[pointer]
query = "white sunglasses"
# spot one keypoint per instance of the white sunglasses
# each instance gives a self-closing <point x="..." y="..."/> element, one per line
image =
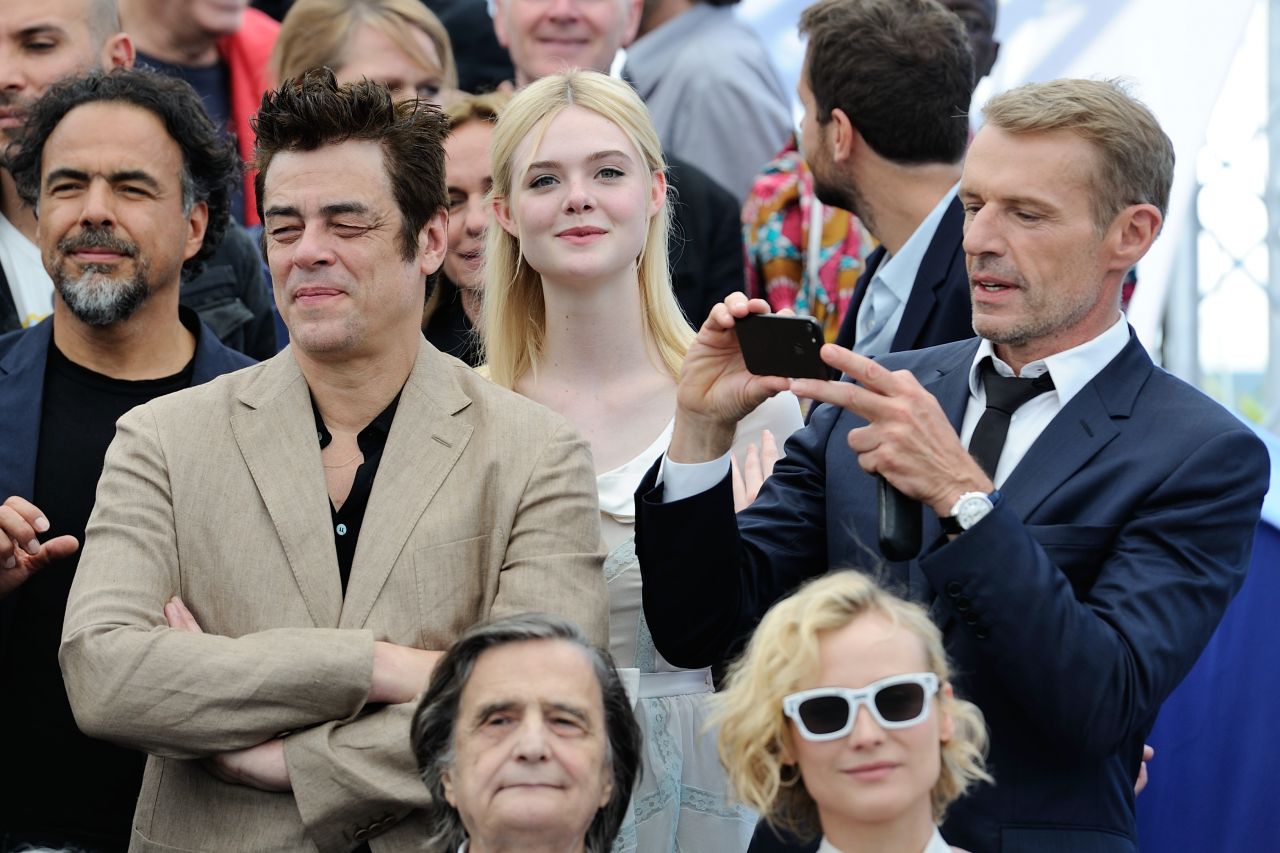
<point x="827" y="713"/>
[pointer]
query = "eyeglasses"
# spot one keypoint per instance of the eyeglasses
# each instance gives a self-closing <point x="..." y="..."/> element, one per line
<point x="827" y="713"/>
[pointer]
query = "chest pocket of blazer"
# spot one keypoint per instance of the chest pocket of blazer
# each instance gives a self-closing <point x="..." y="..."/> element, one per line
<point x="454" y="588"/>
<point x="1078" y="550"/>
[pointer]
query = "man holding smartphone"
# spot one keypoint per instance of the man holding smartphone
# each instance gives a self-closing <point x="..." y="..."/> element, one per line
<point x="1078" y="561"/>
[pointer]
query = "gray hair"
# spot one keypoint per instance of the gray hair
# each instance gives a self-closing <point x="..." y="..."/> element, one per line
<point x="433" y="723"/>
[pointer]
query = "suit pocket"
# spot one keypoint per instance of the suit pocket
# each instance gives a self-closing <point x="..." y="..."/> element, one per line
<point x="1077" y="550"/>
<point x="454" y="588"/>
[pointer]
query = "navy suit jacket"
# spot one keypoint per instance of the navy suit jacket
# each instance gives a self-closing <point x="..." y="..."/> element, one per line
<point x="23" y="356"/>
<point x="938" y="310"/>
<point x="1070" y="612"/>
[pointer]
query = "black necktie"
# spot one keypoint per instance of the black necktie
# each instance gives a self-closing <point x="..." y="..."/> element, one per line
<point x="1004" y="395"/>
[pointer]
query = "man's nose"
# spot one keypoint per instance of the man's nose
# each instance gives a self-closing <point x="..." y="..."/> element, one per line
<point x="531" y="739"/>
<point x="313" y="248"/>
<point x="563" y="9"/>
<point x="982" y="233"/>
<point x="12" y="78"/>
<point x="98" y="206"/>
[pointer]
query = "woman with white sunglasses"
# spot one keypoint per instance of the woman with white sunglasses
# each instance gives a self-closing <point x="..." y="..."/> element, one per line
<point x="840" y="720"/>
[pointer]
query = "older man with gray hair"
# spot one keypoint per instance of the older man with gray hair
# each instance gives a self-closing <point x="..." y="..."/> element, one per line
<point x="526" y="741"/>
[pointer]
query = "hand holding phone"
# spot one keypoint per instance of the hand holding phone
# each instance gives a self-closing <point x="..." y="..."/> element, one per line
<point x="779" y="345"/>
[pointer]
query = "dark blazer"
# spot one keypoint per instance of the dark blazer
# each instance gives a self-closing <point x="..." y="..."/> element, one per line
<point x="705" y="249"/>
<point x="1070" y="612"/>
<point x="23" y="356"/>
<point x="938" y="310"/>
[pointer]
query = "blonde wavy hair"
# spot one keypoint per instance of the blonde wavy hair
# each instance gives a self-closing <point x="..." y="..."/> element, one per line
<point x="514" y="312"/>
<point x="782" y="658"/>
<point x="315" y="33"/>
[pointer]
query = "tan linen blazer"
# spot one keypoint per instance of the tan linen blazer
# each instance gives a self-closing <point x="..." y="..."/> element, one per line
<point x="484" y="505"/>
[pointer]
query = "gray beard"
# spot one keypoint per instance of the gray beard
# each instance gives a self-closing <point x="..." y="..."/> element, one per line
<point x="97" y="300"/>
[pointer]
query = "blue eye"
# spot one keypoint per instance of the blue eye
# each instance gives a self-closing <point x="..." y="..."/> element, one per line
<point x="609" y="173"/>
<point x="541" y="182"/>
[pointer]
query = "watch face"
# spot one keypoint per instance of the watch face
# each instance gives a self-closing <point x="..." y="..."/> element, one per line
<point x="972" y="509"/>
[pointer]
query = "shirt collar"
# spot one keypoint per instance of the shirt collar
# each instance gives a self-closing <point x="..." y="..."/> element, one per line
<point x="1071" y="369"/>
<point x="381" y="425"/>
<point x="649" y="55"/>
<point x="898" y="271"/>
<point x="935" y="845"/>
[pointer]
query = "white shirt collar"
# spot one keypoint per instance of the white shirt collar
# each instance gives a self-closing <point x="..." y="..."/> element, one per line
<point x="1071" y="369"/>
<point x="899" y="270"/>
<point x="936" y="845"/>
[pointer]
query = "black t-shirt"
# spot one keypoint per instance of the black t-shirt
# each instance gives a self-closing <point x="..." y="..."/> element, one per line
<point x="63" y="788"/>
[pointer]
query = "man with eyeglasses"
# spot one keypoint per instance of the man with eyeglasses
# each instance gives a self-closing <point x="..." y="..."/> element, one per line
<point x="1078" y="561"/>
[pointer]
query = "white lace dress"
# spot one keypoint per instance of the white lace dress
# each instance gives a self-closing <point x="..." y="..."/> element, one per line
<point x="682" y="802"/>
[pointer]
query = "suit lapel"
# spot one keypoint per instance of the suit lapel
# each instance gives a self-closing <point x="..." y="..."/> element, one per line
<point x="277" y="439"/>
<point x="424" y="444"/>
<point x="935" y="269"/>
<point x="1078" y="432"/>
<point x="21" y="401"/>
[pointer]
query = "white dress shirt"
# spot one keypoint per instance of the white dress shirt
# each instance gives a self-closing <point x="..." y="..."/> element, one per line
<point x="1071" y="370"/>
<point x="29" y="284"/>
<point x="880" y="312"/>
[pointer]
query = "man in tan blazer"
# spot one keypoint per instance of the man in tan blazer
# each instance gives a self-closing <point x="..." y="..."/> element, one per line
<point x="253" y="608"/>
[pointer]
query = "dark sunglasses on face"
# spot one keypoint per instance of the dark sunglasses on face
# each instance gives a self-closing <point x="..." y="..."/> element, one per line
<point x="827" y="713"/>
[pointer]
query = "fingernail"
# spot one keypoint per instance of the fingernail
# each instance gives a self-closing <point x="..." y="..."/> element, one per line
<point x="33" y="546"/>
<point x="42" y="525"/>
<point x="10" y="562"/>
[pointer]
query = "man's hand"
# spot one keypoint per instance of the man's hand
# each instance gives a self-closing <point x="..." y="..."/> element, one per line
<point x="262" y="767"/>
<point x="1148" y="753"/>
<point x="400" y="673"/>
<point x="715" y="389"/>
<point x="755" y="469"/>
<point x="21" y="553"/>
<point x="908" y="439"/>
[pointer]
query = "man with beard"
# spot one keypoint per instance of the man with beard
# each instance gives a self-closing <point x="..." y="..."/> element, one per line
<point x="41" y="42"/>
<point x="885" y="89"/>
<point x="120" y="215"/>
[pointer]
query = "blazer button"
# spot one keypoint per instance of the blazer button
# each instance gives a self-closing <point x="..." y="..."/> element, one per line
<point x="981" y="632"/>
<point x="962" y="604"/>
<point x="971" y="618"/>
<point x="953" y="588"/>
<point x="361" y="834"/>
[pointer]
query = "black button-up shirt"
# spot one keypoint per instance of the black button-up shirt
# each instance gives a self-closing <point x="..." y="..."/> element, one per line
<point x="347" y="521"/>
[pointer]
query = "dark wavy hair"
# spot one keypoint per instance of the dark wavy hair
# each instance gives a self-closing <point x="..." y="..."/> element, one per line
<point x="901" y="70"/>
<point x="311" y="111"/>
<point x="210" y="165"/>
<point x="433" y="723"/>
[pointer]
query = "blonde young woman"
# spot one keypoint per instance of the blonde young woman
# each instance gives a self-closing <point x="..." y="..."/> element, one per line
<point x="840" y="720"/>
<point x="579" y="315"/>
<point x="398" y="43"/>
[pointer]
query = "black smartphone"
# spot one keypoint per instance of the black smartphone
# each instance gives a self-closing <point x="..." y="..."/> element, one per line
<point x="782" y="346"/>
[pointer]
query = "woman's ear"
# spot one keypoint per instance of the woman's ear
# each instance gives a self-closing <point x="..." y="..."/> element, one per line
<point x="946" y="724"/>
<point x="502" y="212"/>
<point x="657" y="192"/>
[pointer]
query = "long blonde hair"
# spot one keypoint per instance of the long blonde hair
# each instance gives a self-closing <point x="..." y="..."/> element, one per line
<point x="783" y="656"/>
<point x="514" y="324"/>
<point x="314" y="34"/>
